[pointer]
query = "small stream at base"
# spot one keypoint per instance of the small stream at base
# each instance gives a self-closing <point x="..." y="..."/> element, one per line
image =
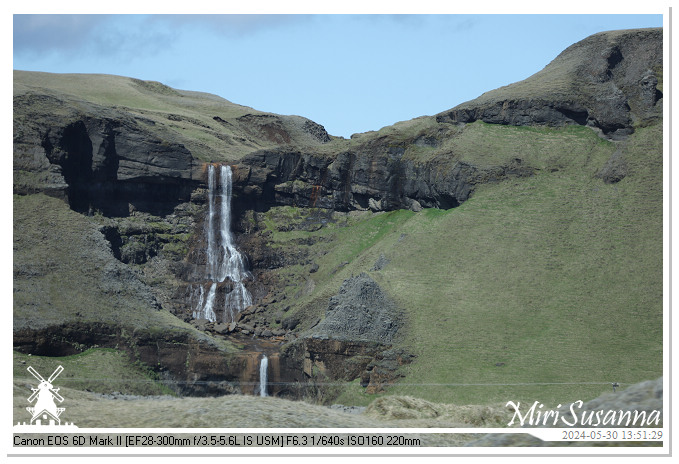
<point x="261" y="372"/>
<point x="263" y="377"/>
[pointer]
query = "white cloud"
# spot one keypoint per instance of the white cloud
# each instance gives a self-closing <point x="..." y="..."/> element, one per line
<point x="45" y="33"/>
<point x="114" y="36"/>
<point x="233" y="25"/>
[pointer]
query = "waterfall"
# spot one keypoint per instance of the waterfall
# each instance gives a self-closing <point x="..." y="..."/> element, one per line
<point x="224" y="261"/>
<point x="208" y="309"/>
<point x="263" y="366"/>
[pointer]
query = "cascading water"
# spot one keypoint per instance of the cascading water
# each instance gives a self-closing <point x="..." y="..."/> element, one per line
<point x="224" y="261"/>
<point x="263" y="367"/>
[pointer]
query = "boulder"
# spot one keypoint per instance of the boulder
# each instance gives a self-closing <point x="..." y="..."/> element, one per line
<point x="221" y="328"/>
<point x="290" y="322"/>
<point x="374" y="205"/>
<point x="380" y="264"/>
<point x="415" y="206"/>
<point x="614" y="170"/>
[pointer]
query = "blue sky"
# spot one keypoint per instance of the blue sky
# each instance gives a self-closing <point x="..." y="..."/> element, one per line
<point x="350" y="73"/>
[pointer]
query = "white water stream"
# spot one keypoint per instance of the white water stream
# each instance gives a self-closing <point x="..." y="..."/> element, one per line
<point x="224" y="261"/>
<point x="263" y="366"/>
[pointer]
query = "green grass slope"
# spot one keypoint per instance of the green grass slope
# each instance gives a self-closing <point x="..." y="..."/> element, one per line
<point x="542" y="288"/>
<point x="65" y="274"/>
<point x="98" y="370"/>
<point x="556" y="278"/>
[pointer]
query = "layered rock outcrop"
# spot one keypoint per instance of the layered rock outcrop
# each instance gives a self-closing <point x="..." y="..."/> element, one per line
<point x="131" y="162"/>
<point x="363" y="181"/>
<point x="608" y="81"/>
<point x="99" y="158"/>
<point x="113" y="158"/>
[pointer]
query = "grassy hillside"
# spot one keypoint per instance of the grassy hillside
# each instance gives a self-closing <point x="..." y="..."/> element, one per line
<point x="552" y="279"/>
<point x="546" y="287"/>
<point x="66" y="274"/>
<point x="206" y="124"/>
<point x="98" y="370"/>
<point x="557" y="277"/>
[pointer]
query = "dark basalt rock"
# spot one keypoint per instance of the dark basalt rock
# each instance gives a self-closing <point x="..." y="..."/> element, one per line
<point x="382" y="371"/>
<point x="353" y="341"/>
<point x="608" y="81"/>
<point x="353" y="181"/>
<point x="614" y="170"/>
<point x="188" y="365"/>
<point x="100" y="158"/>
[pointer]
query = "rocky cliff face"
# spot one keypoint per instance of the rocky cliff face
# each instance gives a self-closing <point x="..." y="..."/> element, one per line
<point x="133" y="167"/>
<point x="373" y="180"/>
<point x="608" y="81"/>
<point x="117" y="159"/>
<point x="98" y="158"/>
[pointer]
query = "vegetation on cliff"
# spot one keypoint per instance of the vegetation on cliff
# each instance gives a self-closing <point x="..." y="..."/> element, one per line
<point x="547" y="280"/>
<point x="523" y="256"/>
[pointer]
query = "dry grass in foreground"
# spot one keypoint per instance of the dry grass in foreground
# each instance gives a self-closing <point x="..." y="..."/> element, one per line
<point x="91" y="410"/>
<point x="87" y="409"/>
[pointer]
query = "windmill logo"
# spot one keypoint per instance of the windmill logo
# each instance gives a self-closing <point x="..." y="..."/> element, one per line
<point x="45" y="412"/>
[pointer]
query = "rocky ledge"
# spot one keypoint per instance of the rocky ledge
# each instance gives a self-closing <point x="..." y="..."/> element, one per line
<point x="608" y="81"/>
<point x="362" y="180"/>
